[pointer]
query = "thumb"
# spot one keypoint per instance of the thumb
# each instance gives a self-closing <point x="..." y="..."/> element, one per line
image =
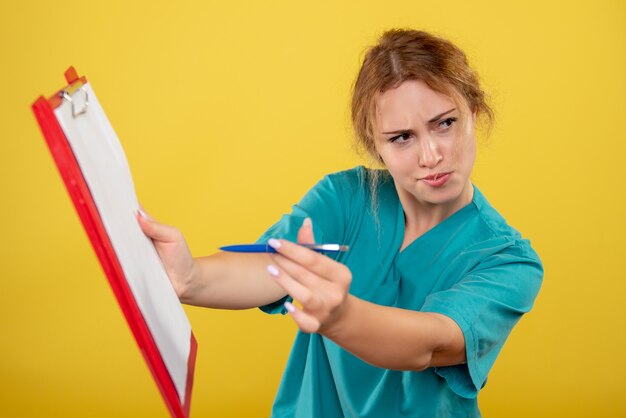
<point x="143" y="213"/>
<point x="305" y="234"/>
<point x="155" y="230"/>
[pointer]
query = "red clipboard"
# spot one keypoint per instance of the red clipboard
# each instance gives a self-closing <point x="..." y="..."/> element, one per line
<point x="85" y="205"/>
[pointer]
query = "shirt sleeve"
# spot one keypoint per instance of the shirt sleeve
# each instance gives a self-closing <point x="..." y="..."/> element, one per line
<point x="486" y="304"/>
<point x="325" y="205"/>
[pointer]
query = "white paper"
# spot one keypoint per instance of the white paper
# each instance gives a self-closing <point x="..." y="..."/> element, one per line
<point x="105" y="168"/>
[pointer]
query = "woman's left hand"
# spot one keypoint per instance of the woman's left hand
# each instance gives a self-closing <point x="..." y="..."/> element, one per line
<point x="319" y="283"/>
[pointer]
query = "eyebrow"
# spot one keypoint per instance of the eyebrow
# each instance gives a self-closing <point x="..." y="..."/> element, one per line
<point x="435" y="119"/>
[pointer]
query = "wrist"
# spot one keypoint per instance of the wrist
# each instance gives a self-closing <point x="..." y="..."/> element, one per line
<point x="185" y="287"/>
<point x="339" y="324"/>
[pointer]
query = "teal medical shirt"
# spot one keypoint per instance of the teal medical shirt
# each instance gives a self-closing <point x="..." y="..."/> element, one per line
<point x="472" y="267"/>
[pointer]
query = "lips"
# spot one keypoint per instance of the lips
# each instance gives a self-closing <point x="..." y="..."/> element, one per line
<point x="437" y="179"/>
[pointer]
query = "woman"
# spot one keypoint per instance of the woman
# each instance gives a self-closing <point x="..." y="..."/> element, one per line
<point x="410" y="320"/>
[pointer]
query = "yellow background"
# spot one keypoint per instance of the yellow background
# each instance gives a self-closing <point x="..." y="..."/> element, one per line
<point x="229" y="112"/>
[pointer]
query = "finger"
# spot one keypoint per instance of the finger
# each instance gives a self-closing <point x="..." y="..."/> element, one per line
<point x="306" y="322"/>
<point x="143" y="213"/>
<point x="156" y="230"/>
<point x="291" y="286"/>
<point x="317" y="263"/>
<point x="297" y="272"/>
<point x="305" y="233"/>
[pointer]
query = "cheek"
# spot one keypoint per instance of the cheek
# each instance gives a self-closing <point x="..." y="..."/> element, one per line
<point x="469" y="150"/>
<point x="462" y="151"/>
<point x="398" y="162"/>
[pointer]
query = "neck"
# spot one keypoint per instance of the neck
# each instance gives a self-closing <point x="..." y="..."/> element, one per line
<point x="420" y="216"/>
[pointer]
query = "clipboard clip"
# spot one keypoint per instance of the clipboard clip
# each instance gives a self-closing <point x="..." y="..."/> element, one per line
<point x="72" y="90"/>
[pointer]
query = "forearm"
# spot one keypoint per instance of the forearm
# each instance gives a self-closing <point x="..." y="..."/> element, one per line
<point x="396" y="338"/>
<point x="231" y="281"/>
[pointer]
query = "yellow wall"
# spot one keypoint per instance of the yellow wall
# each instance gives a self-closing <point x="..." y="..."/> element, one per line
<point x="229" y="112"/>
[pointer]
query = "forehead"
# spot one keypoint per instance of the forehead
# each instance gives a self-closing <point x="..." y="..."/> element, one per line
<point x="410" y="102"/>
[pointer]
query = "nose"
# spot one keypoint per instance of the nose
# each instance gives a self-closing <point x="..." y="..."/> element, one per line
<point x="429" y="154"/>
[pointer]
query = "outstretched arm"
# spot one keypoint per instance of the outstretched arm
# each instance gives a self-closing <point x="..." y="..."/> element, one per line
<point x="222" y="280"/>
<point x="386" y="337"/>
<point x="398" y="339"/>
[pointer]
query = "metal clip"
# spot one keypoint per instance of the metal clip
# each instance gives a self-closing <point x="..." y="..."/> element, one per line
<point x="67" y="96"/>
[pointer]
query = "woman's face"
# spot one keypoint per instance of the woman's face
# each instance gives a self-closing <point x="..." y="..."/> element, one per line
<point x="421" y="141"/>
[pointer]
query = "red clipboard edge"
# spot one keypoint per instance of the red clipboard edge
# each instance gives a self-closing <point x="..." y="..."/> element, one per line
<point x="83" y="202"/>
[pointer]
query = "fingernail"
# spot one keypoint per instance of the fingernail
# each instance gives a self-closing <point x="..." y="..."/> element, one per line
<point x="142" y="213"/>
<point x="307" y="222"/>
<point x="289" y="306"/>
<point x="273" y="270"/>
<point x="274" y="243"/>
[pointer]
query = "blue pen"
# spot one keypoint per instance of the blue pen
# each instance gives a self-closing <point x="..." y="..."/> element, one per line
<point x="265" y="248"/>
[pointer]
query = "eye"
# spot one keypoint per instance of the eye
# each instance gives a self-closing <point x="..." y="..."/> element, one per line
<point x="446" y="124"/>
<point x="400" y="139"/>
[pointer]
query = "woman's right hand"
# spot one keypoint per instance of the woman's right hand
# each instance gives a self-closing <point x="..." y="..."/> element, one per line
<point x="173" y="251"/>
